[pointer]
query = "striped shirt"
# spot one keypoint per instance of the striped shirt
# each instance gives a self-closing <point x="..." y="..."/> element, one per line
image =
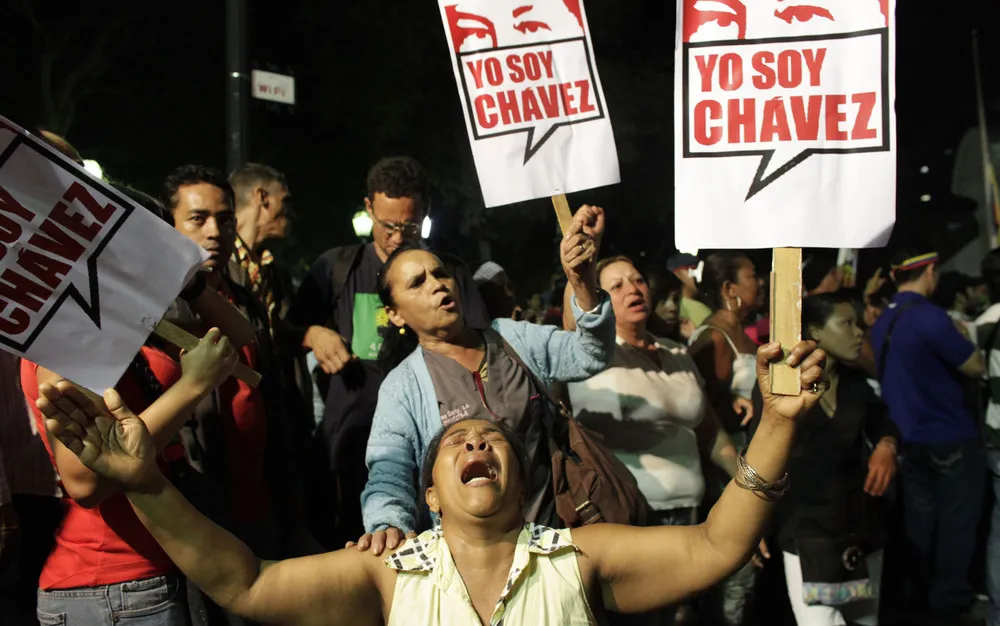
<point x="24" y="463"/>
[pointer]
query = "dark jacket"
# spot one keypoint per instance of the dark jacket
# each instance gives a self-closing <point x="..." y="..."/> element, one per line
<point x="828" y="468"/>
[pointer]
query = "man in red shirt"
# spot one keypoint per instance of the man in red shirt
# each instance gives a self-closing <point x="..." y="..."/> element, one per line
<point x="201" y="203"/>
<point x="238" y="437"/>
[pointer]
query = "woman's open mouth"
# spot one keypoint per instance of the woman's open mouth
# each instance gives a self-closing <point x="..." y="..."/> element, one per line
<point x="478" y="472"/>
<point x="637" y="305"/>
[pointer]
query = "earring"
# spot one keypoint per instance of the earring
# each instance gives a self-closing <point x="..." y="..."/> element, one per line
<point x="402" y="330"/>
<point x="729" y="305"/>
<point x="739" y="302"/>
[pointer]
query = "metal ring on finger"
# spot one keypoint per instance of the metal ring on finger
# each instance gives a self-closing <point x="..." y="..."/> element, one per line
<point x="818" y="387"/>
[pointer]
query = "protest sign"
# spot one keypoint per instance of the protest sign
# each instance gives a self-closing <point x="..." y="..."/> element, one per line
<point x="534" y="107"/>
<point x="784" y="124"/>
<point x="85" y="274"/>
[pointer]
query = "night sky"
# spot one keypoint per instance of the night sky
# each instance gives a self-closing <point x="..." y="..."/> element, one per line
<point x="373" y="79"/>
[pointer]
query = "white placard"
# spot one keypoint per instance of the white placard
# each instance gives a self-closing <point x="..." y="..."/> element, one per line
<point x="532" y="97"/>
<point x="85" y="273"/>
<point x="272" y="87"/>
<point x="784" y="125"/>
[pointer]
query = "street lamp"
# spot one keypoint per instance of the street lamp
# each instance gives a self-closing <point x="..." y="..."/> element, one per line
<point x="362" y="223"/>
<point x="94" y="168"/>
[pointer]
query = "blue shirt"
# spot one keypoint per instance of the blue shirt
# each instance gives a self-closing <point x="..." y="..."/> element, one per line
<point x="921" y="383"/>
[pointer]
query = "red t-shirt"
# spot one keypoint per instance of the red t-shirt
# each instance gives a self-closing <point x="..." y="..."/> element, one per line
<point x="244" y="423"/>
<point x="106" y="544"/>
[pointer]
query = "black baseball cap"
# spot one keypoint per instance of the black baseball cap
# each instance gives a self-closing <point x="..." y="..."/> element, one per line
<point x="682" y="261"/>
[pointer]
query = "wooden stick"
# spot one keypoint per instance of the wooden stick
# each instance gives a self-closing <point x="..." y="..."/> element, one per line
<point x="168" y="331"/>
<point x="786" y="316"/>
<point x="563" y="213"/>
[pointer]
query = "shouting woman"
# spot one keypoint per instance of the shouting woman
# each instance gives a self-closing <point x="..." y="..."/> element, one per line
<point x="650" y="406"/>
<point x="443" y="371"/>
<point x="483" y="564"/>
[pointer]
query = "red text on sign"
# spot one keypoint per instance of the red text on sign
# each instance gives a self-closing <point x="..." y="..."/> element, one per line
<point x="833" y="117"/>
<point x="787" y="69"/>
<point x="46" y="259"/>
<point x="10" y="229"/>
<point x="534" y="104"/>
<point x="532" y="66"/>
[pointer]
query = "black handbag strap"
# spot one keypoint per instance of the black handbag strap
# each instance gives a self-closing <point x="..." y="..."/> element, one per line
<point x="888" y="336"/>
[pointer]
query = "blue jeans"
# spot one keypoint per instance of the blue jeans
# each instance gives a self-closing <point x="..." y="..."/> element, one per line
<point x="158" y="601"/>
<point x="942" y="489"/>
<point x="993" y="545"/>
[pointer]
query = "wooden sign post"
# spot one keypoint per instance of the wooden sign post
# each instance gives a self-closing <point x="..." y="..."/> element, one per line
<point x="786" y="316"/>
<point x="175" y="335"/>
<point x="563" y="212"/>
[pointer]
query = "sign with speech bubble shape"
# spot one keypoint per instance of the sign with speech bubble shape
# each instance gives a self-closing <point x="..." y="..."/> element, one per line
<point x="784" y="124"/>
<point x="85" y="273"/>
<point x="532" y="97"/>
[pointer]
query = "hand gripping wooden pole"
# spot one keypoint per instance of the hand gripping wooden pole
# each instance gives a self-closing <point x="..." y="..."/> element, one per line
<point x="174" y="334"/>
<point x="786" y="316"/>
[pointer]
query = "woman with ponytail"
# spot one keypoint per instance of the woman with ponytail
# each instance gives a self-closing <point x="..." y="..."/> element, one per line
<point x="725" y="358"/>
<point x="440" y="371"/>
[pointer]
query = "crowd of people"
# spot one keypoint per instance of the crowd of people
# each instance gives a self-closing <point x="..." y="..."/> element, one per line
<point x="427" y="448"/>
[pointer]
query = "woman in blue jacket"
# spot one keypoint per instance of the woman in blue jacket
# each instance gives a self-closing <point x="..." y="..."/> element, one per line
<point x="443" y="371"/>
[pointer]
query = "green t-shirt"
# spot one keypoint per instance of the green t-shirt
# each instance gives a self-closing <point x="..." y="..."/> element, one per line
<point x="369" y="317"/>
<point x="694" y="311"/>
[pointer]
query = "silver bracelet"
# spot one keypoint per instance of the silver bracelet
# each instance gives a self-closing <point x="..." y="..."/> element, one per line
<point x="747" y="478"/>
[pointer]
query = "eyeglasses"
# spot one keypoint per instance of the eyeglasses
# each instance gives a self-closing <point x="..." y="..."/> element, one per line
<point x="406" y="229"/>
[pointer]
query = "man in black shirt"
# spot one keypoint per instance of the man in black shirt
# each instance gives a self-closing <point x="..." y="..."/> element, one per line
<point x="341" y="310"/>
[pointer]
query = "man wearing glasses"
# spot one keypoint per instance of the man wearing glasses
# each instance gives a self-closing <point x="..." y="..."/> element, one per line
<point x="339" y="304"/>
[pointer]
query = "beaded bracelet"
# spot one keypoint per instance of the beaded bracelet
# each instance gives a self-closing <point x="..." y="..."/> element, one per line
<point x="747" y="478"/>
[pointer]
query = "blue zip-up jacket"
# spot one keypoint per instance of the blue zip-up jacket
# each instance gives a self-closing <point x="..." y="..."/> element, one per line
<point x="407" y="415"/>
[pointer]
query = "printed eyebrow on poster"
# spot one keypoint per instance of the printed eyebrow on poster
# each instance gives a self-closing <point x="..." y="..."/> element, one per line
<point x="524" y="71"/>
<point x="781" y="96"/>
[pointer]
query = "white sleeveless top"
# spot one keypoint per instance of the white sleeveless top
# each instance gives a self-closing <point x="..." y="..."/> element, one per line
<point x="744" y="365"/>
<point x="543" y="588"/>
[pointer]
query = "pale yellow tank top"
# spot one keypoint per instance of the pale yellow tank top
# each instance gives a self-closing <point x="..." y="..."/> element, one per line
<point x="544" y="587"/>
